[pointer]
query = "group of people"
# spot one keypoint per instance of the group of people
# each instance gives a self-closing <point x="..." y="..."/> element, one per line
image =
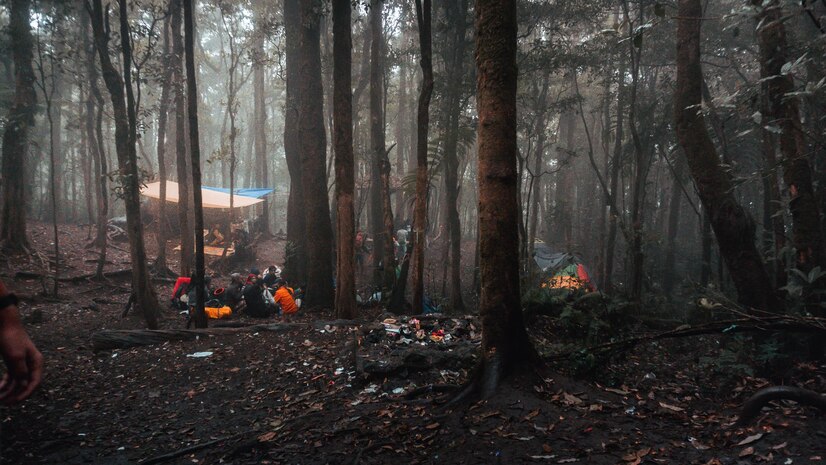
<point x="258" y="295"/>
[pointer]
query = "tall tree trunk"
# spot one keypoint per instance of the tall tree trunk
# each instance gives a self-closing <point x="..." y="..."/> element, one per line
<point x="295" y="255"/>
<point x="417" y="239"/>
<point x="673" y="227"/>
<point x="345" y="176"/>
<point x="773" y="223"/>
<point x="199" y="316"/>
<point x="456" y="12"/>
<point x="262" y="175"/>
<point x="182" y="163"/>
<point x="616" y="165"/>
<point x="783" y="110"/>
<point x="731" y="223"/>
<point x="94" y="130"/>
<point x="313" y="148"/>
<point x="163" y="111"/>
<point x="124" y="110"/>
<point x="16" y="134"/>
<point x="505" y="342"/>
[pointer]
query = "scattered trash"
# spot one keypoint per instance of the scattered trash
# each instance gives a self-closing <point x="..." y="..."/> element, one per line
<point x="371" y="389"/>
<point x="200" y="354"/>
<point x="339" y="371"/>
<point x="398" y="390"/>
<point x="630" y="410"/>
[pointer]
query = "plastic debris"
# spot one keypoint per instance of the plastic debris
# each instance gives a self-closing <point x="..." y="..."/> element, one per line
<point x="200" y="354"/>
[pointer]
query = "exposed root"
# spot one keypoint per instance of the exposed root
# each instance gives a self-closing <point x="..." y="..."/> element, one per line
<point x="751" y="408"/>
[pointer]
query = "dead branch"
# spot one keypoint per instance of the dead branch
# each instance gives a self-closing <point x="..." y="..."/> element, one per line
<point x="752" y="407"/>
<point x="122" y="339"/>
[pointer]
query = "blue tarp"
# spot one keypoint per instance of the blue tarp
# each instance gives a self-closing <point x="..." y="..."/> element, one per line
<point x="254" y="192"/>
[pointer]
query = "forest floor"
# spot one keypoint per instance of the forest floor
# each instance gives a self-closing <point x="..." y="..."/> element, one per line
<point x="309" y="395"/>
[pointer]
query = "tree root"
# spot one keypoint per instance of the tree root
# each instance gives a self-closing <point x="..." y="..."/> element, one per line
<point x="751" y="408"/>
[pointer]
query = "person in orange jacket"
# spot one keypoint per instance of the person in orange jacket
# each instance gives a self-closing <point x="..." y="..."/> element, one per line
<point x="284" y="297"/>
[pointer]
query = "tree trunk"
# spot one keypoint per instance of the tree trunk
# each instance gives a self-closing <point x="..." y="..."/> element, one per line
<point x="124" y="110"/>
<point x="181" y="159"/>
<point x="731" y="223"/>
<point x="782" y="108"/>
<point x="456" y="12"/>
<point x="313" y="148"/>
<point x="94" y="130"/>
<point x="417" y="239"/>
<point x="673" y="227"/>
<point x="616" y="165"/>
<point x="505" y="342"/>
<point x="163" y="111"/>
<point x="262" y="175"/>
<point x="16" y="134"/>
<point x="295" y="255"/>
<point x="344" y="167"/>
<point x="199" y="317"/>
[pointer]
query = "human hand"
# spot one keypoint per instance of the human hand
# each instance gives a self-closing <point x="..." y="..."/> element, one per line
<point x="23" y="361"/>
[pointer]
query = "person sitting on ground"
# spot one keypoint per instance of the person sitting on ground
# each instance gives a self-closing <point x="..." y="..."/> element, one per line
<point x="257" y="307"/>
<point x="215" y="237"/>
<point x="284" y="298"/>
<point x="24" y="363"/>
<point x="233" y="295"/>
<point x="271" y="274"/>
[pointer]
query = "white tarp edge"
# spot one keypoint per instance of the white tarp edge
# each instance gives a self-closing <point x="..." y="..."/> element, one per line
<point x="211" y="199"/>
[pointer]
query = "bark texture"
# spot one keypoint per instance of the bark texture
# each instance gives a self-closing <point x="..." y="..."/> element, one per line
<point x="181" y="158"/>
<point x="16" y="134"/>
<point x="344" y="163"/>
<point x="123" y="107"/>
<point x="417" y="242"/>
<point x="313" y="150"/>
<point x="505" y="342"/>
<point x="732" y="225"/>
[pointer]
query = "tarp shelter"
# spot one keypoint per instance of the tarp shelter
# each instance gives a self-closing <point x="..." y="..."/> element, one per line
<point x="254" y="192"/>
<point x="212" y="196"/>
<point x="561" y="270"/>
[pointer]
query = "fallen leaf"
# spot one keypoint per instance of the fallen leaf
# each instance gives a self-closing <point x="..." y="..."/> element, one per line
<point x="750" y="439"/>
<point x="746" y="452"/>
<point x="673" y="408"/>
<point x="432" y="426"/>
<point x="571" y="399"/>
<point x="267" y="436"/>
<point x="532" y="414"/>
<point x="547" y="448"/>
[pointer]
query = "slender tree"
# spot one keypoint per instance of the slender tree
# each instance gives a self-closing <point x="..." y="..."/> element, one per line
<point x="16" y="134"/>
<point x="417" y="241"/>
<point x="782" y="108"/>
<point x="345" y="176"/>
<point x="163" y="113"/>
<point x="143" y="294"/>
<point x="194" y="142"/>
<point x="732" y="225"/>
<point x="181" y="159"/>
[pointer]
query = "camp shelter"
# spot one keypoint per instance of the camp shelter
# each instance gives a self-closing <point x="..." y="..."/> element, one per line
<point x="212" y="197"/>
<point x="561" y="270"/>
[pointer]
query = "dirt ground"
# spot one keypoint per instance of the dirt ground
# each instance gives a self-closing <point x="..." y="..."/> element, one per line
<point x="317" y="393"/>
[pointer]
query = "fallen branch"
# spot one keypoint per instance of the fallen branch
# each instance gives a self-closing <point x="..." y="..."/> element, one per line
<point x="748" y="324"/>
<point x="751" y="408"/>
<point x="71" y="279"/>
<point x="188" y="450"/>
<point x="122" y="339"/>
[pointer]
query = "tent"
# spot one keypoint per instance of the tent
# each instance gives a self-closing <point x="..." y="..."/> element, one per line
<point x="213" y="197"/>
<point x="561" y="270"/>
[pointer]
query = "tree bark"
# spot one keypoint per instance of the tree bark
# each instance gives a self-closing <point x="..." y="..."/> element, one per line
<point x="313" y="148"/>
<point x="16" y="134"/>
<point x="123" y="107"/>
<point x="456" y="12"/>
<point x="181" y="159"/>
<point x="505" y="342"/>
<point x="417" y="239"/>
<point x="616" y="164"/>
<point x="199" y="316"/>
<point x="295" y="255"/>
<point x="262" y="175"/>
<point x="345" y="177"/>
<point x="163" y="111"/>
<point x="731" y="223"/>
<point x="783" y="110"/>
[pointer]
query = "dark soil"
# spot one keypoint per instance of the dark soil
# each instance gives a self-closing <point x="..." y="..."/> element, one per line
<point x="322" y="394"/>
